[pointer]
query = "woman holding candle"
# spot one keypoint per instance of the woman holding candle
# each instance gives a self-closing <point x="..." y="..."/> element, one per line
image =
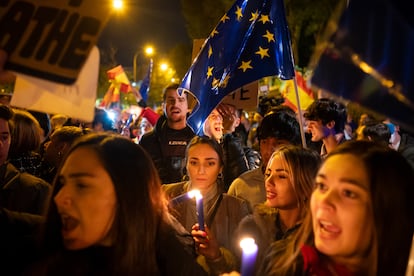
<point x="289" y="181"/>
<point x="108" y="215"/>
<point x="361" y="220"/>
<point x="222" y="213"/>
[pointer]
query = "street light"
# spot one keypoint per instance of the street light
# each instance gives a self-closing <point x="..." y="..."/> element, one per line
<point x="117" y="4"/>
<point x="164" y="66"/>
<point x="149" y="52"/>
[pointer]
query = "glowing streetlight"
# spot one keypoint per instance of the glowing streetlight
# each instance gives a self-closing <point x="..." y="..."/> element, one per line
<point x="149" y="52"/>
<point x="163" y="66"/>
<point x="118" y="4"/>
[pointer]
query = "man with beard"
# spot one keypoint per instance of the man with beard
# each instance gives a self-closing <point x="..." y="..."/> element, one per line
<point x="167" y="142"/>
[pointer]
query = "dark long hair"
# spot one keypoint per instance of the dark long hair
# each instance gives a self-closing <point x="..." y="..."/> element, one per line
<point x="140" y="203"/>
<point x="392" y="191"/>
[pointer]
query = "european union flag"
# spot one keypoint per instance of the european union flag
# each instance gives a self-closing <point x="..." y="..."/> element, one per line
<point x="370" y="59"/>
<point x="250" y="42"/>
<point x="145" y="85"/>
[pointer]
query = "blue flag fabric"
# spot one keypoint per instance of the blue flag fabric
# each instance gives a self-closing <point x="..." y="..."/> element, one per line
<point x="145" y="85"/>
<point x="250" y="42"/>
<point x="370" y="59"/>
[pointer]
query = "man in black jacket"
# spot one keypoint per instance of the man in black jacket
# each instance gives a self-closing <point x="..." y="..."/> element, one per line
<point x="167" y="142"/>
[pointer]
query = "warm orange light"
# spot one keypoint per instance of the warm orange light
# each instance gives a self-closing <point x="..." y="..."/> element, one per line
<point x="164" y="66"/>
<point x="118" y="4"/>
<point x="149" y="50"/>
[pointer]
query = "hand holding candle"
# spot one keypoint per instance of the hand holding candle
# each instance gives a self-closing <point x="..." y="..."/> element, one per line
<point x="199" y="205"/>
<point x="249" y="248"/>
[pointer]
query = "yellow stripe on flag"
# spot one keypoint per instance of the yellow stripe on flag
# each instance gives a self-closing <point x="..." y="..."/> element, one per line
<point x="305" y="93"/>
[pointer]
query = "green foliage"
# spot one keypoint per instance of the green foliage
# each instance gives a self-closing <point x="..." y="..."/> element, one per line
<point x="306" y="19"/>
<point x="180" y="57"/>
<point x="203" y="15"/>
<point x="103" y="82"/>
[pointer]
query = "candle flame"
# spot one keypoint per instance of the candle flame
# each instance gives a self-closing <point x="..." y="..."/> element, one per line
<point x="248" y="244"/>
<point x="195" y="193"/>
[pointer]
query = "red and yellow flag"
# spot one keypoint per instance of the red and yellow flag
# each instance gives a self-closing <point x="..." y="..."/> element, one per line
<point x="305" y="93"/>
<point x="119" y="83"/>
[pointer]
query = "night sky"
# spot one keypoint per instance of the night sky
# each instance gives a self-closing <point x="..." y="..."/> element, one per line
<point x="156" y="22"/>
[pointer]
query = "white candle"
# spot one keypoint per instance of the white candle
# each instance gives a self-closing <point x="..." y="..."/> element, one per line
<point x="249" y="248"/>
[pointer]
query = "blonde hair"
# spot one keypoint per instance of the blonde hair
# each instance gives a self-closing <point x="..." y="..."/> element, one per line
<point x="303" y="164"/>
<point x="391" y="192"/>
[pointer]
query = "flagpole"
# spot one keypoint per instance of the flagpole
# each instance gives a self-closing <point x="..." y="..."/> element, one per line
<point x="300" y="116"/>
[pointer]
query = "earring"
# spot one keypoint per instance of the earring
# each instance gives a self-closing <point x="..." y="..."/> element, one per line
<point x="59" y="154"/>
<point x="220" y="175"/>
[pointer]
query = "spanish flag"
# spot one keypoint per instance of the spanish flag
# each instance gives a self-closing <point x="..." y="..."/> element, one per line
<point x="119" y="82"/>
<point x="305" y="93"/>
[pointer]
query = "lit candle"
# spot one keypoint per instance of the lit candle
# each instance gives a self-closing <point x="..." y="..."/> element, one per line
<point x="200" y="210"/>
<point x="249" y="248"/>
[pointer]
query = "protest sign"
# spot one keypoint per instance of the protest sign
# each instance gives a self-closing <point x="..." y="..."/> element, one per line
<point x="50" y="39"/>
<point x="76" y="100"/>
<point x="246" y="97"/>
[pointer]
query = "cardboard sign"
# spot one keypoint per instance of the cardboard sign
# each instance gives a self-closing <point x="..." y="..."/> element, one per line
<point x="50" y="39"/>
<point x="245" y="98"/>
<point x="76" y="101"/>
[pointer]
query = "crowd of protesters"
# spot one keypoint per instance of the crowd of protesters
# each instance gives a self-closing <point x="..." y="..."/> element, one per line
<point x="100" y="198"/>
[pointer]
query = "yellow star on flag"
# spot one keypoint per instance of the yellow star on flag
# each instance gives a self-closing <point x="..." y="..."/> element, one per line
<point x="245" y="65"/>
<point x="263" y="52"/>
<point x="213" y="33"/>
<point x="270" y="37"/>
<point x="210" y="71"/>
<point x="264" y="18"/>
<point x="239" y="13"/>
<point x="210" y="51"/>
<point x="224" y="18"/>
<point x="255" y="15"/>
<point x="225" y="81"/>
<point x="215" y="82"/>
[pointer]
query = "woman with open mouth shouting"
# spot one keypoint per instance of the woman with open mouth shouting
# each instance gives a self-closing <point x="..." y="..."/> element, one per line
<point x="108" y="215"/>
<point x="361" y="220"/>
